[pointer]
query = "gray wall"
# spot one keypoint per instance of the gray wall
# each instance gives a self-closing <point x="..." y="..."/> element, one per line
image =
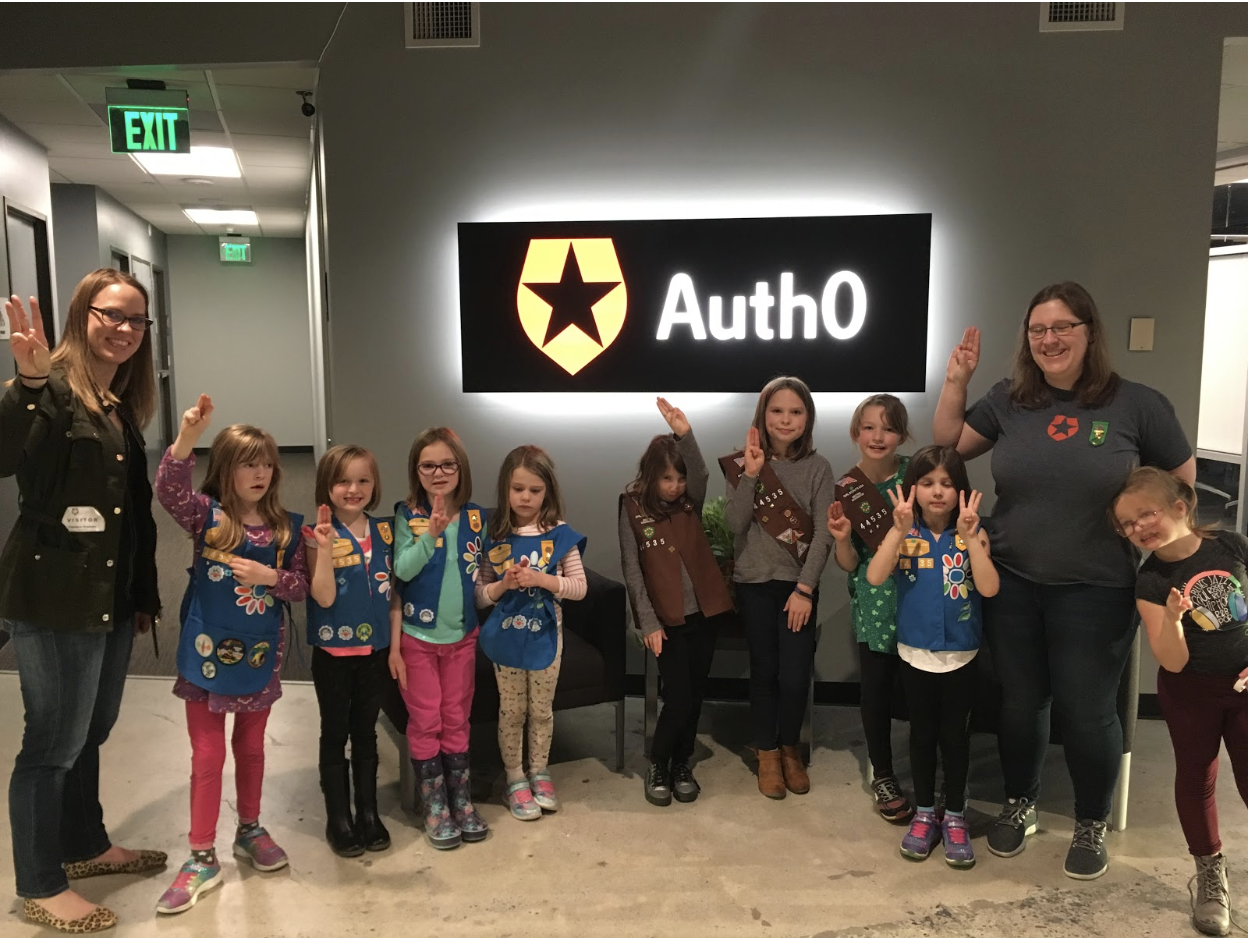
<point x="1041" y="157"/>
<point x="240" y="335"/>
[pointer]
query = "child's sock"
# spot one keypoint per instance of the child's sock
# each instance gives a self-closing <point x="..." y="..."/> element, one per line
<point x="206" y="857"/>
<point x="949" y="813"/>
<point x="930" y="810"/>
<point x="515" y="775"/>
<point x="245" y="826"/>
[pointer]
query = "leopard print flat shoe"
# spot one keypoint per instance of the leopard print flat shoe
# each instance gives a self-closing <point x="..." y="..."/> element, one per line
<point x="101" y="919"/>
<point x="145" y="862"/>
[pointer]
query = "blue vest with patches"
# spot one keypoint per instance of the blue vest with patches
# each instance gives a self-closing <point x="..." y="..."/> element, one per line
<point x="420" y="596"/>
<point x="938" y="607"/>
<point x="360" y="615"/>
<point x="522" y="630"/>
<point x="228" y="643"/>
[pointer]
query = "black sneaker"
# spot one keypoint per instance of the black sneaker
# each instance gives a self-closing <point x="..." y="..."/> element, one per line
<point x="1008" y="835"/>
<point x="1087" y="857"/>
<point x="684" y="786"/>
<point x="658" y="785"/>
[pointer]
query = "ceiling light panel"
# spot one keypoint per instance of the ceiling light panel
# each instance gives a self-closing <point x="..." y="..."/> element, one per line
<point x="217" y="216"/>
<point x="201" y="161"/>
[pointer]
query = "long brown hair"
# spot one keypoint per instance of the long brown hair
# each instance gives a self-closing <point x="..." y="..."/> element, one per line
<point x="1098" y="381"/>
<point x="537" y="461"/>
<point x="233" y="446"/>
<point x="416" y="495"/>
<point x="333" y="466"/>
<point x="1167" y="489"/>
<point x="934" y="457"/>
<point x="134" y="385"/>
<point x="659" y="455"/>
<point x="805" y="444"/>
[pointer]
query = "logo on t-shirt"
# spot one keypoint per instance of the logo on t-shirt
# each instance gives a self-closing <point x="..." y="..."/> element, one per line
<point x="1063" y="427"/>
<point x="1217" y="600"/>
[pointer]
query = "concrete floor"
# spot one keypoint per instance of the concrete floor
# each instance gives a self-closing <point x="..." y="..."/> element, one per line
<point x="609" y="864"/>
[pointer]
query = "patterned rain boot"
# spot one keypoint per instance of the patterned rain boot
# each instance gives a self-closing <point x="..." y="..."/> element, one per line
<point x="440" y="829"/>
<point x="459" y="780"/>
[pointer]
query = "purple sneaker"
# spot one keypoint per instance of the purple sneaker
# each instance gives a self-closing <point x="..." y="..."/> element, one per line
<point x="255" y="845"/>
<point x="194" y="879"/>
<point x="957" y="837"/>
<point x="923" y="835"/>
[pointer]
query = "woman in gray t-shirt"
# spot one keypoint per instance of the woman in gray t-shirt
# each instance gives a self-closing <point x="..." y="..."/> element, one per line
<point x="1064" y="431"/>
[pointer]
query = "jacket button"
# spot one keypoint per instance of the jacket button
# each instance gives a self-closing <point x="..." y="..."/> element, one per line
<point x="116" y="511"/>
<point x="104" y="617"/>
<point x="30" y="406"/>
<point x="108" y="564"/>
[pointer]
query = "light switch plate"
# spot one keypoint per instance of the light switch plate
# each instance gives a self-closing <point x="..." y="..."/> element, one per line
<point x="1141" y="339"/>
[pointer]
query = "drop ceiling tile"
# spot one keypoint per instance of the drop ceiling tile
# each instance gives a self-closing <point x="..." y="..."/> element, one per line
<point x="111" y="169"/>
<point x="251" y="110"/>
<point x="51" y="134"/>
<point x="65" y="111"/>
<point x="20" y="86"/>
<point x="292" y="78"/>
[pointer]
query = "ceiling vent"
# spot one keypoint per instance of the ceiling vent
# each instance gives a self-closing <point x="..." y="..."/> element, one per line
<point x="1078" y="17"/>
<point x="442" y="25"/>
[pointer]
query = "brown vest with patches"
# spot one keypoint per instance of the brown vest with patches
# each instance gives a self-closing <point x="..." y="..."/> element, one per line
<point x="663" y="545"/>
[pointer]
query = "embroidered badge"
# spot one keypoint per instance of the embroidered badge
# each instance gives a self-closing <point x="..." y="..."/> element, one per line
<point x="958" y="542"/>
<point x="474" y="520"/>
<point x="548" y="551"/>
<point x="409" y="610"/>
<point x="418" y="525"/>
<point x="426" y="616"/>
<point x="363" y="631"/>
<point x="1063" y="427"/>
<point x="345" y="632"/>
<point x="1099" y="429"/>
<point x="519" y="622"/>
<point x="208" y="670"/>
<point x="647" y="531"/>
<point x="325" y="633"/>
<point x="203" y="645"/>
<point x="259" y="651"/>
<point x="230" y="651"/>
<point x="383" y="528"/>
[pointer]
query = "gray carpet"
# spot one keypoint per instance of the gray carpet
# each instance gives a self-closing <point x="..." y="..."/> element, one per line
<point x="173" y="556"/>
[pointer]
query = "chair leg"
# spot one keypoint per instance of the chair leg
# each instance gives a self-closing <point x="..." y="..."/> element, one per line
<point x="1118" y="812"/>
<point x="651" y="717"/>
<point x="619" y="736"/>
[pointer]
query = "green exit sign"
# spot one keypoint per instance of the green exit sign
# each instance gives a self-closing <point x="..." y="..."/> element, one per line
<point x="137" y="129"/>
<point x="235" y="252"/>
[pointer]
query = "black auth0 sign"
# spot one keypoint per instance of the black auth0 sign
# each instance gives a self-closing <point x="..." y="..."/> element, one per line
<point x="695" y="305"/>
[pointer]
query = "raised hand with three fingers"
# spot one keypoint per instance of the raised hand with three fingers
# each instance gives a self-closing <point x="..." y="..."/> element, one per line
<point x="323" y="534"/>
<point x="438" y="518"/>
<point x="27" y="341"/>
<point x="839" y="525"/>
<point x="968" y="514"/>
<point x="903" y="508"/>
<point x="674" y="416"/>
<point x="1177" y="603"/>
<point x="754" y="456"/>
<point x="964" y="360"/>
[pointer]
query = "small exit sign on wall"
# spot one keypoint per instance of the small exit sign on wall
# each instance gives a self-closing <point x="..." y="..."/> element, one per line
<point x="234" y="249"/>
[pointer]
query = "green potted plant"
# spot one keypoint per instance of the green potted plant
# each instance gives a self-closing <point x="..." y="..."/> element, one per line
<point x="716" y="527"/>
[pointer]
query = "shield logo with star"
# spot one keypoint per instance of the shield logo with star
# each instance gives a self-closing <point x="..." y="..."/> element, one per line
<point x="571" y="298"/>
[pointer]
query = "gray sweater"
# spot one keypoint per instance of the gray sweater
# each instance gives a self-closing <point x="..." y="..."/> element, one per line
<point x="695" y="487"/>
<point x="759" y="556"/>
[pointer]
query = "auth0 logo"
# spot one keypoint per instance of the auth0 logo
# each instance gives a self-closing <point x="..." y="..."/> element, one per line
<point x="571" y="298"/>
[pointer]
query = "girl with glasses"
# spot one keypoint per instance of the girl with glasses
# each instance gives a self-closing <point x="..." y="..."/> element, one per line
<point x="433" y="643"/>
<point x="1190" y="596"/>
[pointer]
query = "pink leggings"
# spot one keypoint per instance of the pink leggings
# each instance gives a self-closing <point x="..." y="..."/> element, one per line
<point x="207" y="731"/>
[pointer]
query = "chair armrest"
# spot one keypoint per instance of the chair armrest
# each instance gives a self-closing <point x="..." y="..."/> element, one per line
<point x="601" y="620"/>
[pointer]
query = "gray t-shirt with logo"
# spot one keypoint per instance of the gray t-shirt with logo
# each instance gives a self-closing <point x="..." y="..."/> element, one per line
<point x="1057" y="468"/>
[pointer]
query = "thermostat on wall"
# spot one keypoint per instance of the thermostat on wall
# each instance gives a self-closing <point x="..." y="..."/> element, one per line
<point x="235" y="249"/>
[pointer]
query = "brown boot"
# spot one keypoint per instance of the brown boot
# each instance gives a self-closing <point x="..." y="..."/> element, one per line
<point x="795" y="776"/>
<point x="770" y="777"/>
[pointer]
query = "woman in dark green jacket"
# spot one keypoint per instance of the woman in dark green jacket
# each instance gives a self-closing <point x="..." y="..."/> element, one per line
<point x="77" y="579"/>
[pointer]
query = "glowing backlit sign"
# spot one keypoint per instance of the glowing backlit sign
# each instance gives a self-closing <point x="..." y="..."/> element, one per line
<point x="695" y="304"/>
<point x="135" y="129"/>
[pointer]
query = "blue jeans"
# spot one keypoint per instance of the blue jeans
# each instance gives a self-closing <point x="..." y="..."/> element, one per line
<point x="71" y="688"/>
<point x="1060" y="649"/>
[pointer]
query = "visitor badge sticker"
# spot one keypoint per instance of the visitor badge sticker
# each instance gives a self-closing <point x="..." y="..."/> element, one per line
<point x="203" y="645"/>
<point x="82" y="519"/>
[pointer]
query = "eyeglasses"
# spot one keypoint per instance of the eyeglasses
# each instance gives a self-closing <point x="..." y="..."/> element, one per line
<point x="114" y="317"/>
<point x="1058" y="329"/>
<point x="428" y="469"/>
<point x="1127" y="528"/>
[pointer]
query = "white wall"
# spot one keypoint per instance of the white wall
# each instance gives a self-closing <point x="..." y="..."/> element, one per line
<point x="240" y="334"/>
<point x="1224" y="370"/>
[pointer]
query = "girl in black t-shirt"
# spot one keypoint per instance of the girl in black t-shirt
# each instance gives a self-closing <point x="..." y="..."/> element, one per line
<point x="1190" y="595"/>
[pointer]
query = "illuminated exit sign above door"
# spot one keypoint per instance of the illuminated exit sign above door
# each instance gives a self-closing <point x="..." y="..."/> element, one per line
<point x="149" y="129"/>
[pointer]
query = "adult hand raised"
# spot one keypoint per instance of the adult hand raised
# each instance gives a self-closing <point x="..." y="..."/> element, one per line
<point x="27" y="341"/>
<point x="754" y="456"/>
<point x="674" y="416"/>
<point x="964" y="360"/>
<point x="903" y="509"/>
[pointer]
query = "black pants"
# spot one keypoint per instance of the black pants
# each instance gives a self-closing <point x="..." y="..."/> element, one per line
<point x="940" y="713"/>
<point x="878" y="674"/>
<point x="780" y="662"/>
<point x="348" y="691"/>
<point x="683" y="666"/>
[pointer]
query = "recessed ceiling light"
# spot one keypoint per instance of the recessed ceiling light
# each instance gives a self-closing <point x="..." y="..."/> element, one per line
<point x="198" y="181"/>
<point x="201" y="161"/>
<point x="221" y="216"/>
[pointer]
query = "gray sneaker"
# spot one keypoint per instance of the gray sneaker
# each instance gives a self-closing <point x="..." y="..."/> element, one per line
<point x="684" y="786"/>
<point x="658" y="785"/>
<point x="1008" y="835"/>
<point x="1211" y="902"/>
<point x="1087" y="857"/>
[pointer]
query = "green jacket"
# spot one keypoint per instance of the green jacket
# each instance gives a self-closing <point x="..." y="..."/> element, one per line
<point x="66" y="457"/>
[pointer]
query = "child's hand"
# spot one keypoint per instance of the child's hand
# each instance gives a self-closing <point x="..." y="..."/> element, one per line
<point x="903" y="509"/>
<point x="754" y="457"/>
<point x="968" y="514"/>
<point x="398" y="670"/>
<point x="509" y="581"/>
<point x="438" y="518"/>
<point x="323" y="534"/>
<point x="964" y="359"/>
<point x="195" y="421"/>
<point x="675" y="417"/>
<point x="798" y="607"/>
<point x="527" y="577"/>
<point x="253" y="573"/>
<point x="27" y="341"/>
<point x="1177" y="604"/>
<point x="654" y="641"/>
<point x="838" y="525"/>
